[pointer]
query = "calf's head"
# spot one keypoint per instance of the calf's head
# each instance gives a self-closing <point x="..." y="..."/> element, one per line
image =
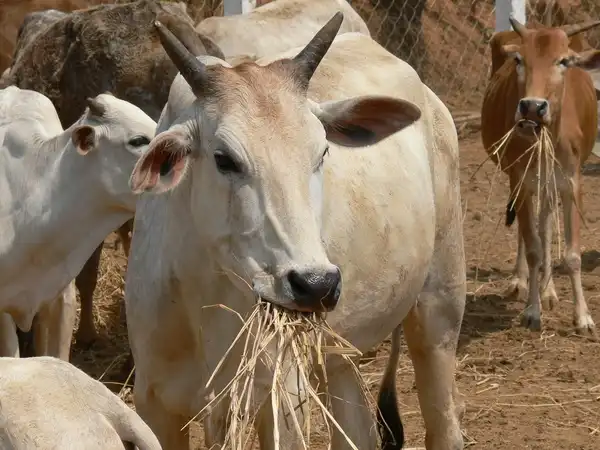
<point x="252" y="158"/>
<point x="541" y="61"/>
<point x="112" y="134"/>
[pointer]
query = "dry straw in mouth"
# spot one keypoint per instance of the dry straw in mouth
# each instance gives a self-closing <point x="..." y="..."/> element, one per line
<point x="301" y="343"/>
<point x="540" y="153"/>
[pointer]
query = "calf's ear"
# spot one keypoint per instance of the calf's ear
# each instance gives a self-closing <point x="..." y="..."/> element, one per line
<point x="163" y="166"/>
<point x="362" y="121"/>
<point x="84" y="139"/>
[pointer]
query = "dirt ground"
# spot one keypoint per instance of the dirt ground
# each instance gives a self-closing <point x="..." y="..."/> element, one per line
<point x="525" y="390"/>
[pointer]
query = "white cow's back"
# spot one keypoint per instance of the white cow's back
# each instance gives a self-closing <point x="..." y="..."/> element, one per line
<point x="277" y="26"/>
<point x="29" y="107"/>
<point x="47" y="403"/>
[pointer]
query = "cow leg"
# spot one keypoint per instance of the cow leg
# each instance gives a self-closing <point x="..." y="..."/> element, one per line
<point x="533" y="246"/>
<point x="123" y="233"/>
<point x="431" y="329"/>
<point x="349" y="409"/>
<point x="9" y="344"/>
<point x="59" y="317"/>
<point x="40" y="331"/>
<point x="582" y="318"/>
<point x="215" y="425"/>
<point x="548" y="293"/>
<point x="166" y="426"/>
<point x="288" y="436"/>
<point x="518" y="282"/>
<point x="86" y="285"/>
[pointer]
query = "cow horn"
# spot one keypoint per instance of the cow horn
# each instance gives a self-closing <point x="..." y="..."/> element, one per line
<point x="96" y="108"/>
<point x="571" y="30"/>
<point x="519" y="28"/>
<point x="190" y="68"/>
<point x="309" y="58"/>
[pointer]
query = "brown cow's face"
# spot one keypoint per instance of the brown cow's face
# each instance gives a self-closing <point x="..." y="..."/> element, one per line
<point x="541" y="62"/>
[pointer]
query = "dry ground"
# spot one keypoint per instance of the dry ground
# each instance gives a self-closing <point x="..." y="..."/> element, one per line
<point x="523" y="390"/>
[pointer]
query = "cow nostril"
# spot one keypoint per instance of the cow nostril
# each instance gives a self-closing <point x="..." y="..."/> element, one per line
<point x="300" y="286"/>
<point x="523" y="107"/>
<point x="542" y="109"/>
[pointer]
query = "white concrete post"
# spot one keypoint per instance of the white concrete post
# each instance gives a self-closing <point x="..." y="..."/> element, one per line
<point x="504" y="8"/>
<point x="231" y="7"/>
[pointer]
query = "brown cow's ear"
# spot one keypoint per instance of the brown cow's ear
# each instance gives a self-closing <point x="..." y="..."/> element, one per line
<point x="84" y="139"/>
<point x="163" y="166"/>
<point x="363" y="121"/>
<point x="510" y="49"/>
<point x="588" y="60"/>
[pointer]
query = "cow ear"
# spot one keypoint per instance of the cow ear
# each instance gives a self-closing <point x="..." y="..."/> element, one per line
<point x="163" y="166"/>
<point x="362" y="121"/>
<point x="588" y="60"/>
<point x="84" y="139"/>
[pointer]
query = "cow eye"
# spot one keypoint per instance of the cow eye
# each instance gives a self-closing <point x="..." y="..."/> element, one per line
<point x="564" y="62"/>
<point x="139" y="141"/>
<point x="225" y="164"/>
<point x="517" y="59"/>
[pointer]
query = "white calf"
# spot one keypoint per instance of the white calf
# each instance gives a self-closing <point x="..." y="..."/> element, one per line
<point x="61" y="193"/>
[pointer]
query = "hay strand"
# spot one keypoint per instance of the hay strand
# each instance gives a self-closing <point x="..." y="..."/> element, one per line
<point x="286" y="343"/>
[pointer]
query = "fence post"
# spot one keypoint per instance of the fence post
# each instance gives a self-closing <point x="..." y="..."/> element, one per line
<point x="503" y="10"/>
<point x="231" y="7"/>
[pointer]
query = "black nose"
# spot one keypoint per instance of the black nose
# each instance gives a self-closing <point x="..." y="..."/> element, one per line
<point x="315" y="290"/>
<point x="533" y="108"/>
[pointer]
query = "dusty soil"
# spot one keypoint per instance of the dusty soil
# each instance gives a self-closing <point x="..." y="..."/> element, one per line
<point x="531" y="390"/>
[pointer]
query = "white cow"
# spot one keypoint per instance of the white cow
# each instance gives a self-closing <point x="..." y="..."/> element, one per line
<point x="48" y="403"/>
<point x="57" y="205"/>
<point x="277" y="26"/>
<point x="251" y="189"/>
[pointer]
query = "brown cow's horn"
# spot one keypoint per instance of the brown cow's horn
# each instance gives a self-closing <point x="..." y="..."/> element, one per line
<point x="570" y="30"/>
<point x="309" y="58"/>
<point x="520" y="29"/>
<point x="190" y="68"/>
<point x="96" y="108"/>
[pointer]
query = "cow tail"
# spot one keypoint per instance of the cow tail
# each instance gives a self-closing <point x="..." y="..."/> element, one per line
<point x="389" y="422"/>
<point x="511" y="212"/>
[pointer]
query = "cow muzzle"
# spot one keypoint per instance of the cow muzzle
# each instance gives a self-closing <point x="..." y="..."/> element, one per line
<point x="313" y="290"/>
<point x="307" y="289"/>
<point x="532" y="113"/>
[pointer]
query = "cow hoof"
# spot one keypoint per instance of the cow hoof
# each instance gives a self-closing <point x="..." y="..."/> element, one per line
<point x="86" y="340"/>
<point x="517" y="288"/>
<point x="532" y="321"/>
<point x="585" y="326"/>
<point x="549" y="299"/>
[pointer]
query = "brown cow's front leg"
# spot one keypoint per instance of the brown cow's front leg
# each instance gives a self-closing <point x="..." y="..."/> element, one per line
<point x="518" y="282"/>
<point x="581" y="317"/>
<point x="533" y="254"/>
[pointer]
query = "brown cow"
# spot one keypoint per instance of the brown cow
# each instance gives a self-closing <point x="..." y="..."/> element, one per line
<point x="543" y="84"/>
<point x="12" y="13"/>
<point x="69" y="60"/>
